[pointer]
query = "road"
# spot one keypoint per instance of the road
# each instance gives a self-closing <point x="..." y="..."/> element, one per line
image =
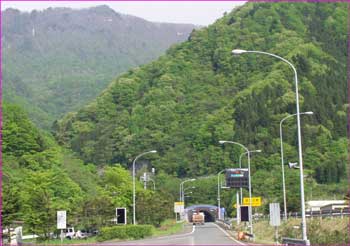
<point x="208" y="234"/>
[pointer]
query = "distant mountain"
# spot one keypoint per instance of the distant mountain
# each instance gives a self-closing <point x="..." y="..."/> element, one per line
<point x="199" y="93"/>
<point x="56" y="60"/>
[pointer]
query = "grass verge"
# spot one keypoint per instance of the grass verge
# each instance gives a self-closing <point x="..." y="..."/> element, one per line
<point x="90" y="240"/>
<point x="168" y="227"/>
<point x="319" y="231"/>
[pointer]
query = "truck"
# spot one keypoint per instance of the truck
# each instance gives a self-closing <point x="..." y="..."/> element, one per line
<point x="198" y="218"/>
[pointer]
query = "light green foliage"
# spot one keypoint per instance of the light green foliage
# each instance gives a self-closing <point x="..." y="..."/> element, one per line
<point x="125" y="232"/>
<point x="198" y="93"/>
<point x="40" y="181"/>
<point x="57" y="60"/>
<point x="43" y="193"/>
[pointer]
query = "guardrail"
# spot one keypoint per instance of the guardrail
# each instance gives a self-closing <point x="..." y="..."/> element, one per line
<point x="224" y="223"/>
<point x="310" y="214"/>
<point x="294" y="241"/>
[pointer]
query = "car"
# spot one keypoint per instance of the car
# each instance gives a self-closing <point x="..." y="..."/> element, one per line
<point x="82" y="234"/>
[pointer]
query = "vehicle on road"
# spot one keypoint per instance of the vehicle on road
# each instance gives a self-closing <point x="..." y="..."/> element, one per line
<point x="69" y="233"/>
<point x="198" y="218"/>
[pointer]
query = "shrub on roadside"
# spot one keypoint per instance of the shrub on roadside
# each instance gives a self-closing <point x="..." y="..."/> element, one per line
<point x="319" y="232"/>
<point x="124" y="232"/>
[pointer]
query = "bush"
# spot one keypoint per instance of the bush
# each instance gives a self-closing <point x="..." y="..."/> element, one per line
<point x="124" y="232"/>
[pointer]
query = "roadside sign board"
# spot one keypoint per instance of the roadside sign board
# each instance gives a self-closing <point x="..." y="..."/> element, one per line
<point x="244" y="213"/>
<point x="121" y="216"/>
<point x="237" y="177"/>
<point x="179" y="207"/>
<point x="275" y="217"/>
<point x="256" y="201"/>
<point x="61" y="219"/>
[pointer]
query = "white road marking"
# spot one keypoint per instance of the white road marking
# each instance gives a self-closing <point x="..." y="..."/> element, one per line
<point x="229" y="235"/>
<point x="181" y="235"/>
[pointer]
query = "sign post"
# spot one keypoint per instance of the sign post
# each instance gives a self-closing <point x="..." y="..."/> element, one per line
<point x="61" y="222"/>
<point x="275" y="217"/>
<point x="238" y="208"/>
<point x="179" y="207"/>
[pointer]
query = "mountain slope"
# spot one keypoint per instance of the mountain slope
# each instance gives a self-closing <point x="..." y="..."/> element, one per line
<point x="198" y="93"/>
<point x="39" y="178"/>
<point x="56" y="60"/>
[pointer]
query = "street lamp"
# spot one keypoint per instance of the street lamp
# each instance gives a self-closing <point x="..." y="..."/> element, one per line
<point x="240" y="166"/>
<point x="238" y="52"/>
<point x="250" y="185"/>
<point x="282" y="163"/>
<point x="189" y="188"/>
<point x="219" y="216"/>
<point x="133" y="184"/>
<point x="181" y="188"/>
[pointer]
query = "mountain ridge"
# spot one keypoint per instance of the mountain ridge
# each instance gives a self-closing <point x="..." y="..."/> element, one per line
<point x="65" y="57"/>
<point x="197" y="93"/>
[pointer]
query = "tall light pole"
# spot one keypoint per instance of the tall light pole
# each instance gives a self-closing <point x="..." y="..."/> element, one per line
<point x="181" y="188"/>
<point x="238" y="52"/>
<point x="240" y="166"/>
<point x="282" y="163"/>
<point x="184" y="192"/>
<point x="250" y="185"/>
<point x="219" y="215"/>
<point x="133" y="184"/>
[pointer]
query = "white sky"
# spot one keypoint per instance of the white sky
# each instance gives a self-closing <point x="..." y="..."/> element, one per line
<point x="194" y="12"/>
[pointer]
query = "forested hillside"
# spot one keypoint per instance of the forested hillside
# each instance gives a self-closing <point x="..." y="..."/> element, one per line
<point x="57" y="60"/>
<point x="198" y="93"/>
<point x="40" y="178"/>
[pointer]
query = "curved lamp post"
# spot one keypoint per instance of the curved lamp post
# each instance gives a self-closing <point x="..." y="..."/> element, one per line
<point x="181" y="188"/>
<point x="239" y="52"/>
<point x="240" y="166"/>
<point x="219" y="216"/>
<point x="250" y="185"/>
<point x="282" y="162"/>
<point x="133" y="184"/>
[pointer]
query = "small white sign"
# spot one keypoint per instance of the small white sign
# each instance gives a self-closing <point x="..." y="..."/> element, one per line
<point x="179" y="207"/>
<point x="61" y="219"/>
<point x="275" y="216"/>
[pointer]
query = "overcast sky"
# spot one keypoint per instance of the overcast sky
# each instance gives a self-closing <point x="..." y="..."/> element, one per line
<point x="194" y="12"/>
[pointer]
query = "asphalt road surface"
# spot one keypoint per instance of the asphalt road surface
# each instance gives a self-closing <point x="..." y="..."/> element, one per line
<point x="208" y="234"/>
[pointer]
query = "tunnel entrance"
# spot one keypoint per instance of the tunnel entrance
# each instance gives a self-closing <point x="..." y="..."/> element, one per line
<point x="210" y="212"/>
<point x="208" y="217"/>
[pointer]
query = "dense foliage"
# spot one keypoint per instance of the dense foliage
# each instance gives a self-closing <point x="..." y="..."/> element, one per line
<point x="56" y="60"/>
<point x="182" y="105"/>
<point x="125" y="232"/>
<point x="40" y="178"/>
<point x="198" y="93"/>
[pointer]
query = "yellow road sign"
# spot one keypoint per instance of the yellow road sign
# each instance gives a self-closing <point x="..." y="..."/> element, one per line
<point x="179" y="203"/>
<point x="256" y="201"/>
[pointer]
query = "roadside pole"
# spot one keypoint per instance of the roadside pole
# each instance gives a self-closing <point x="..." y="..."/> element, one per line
<point x="62" y="222"/>
<point x="238" y="207"/>
<point x="276" y="234"/>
